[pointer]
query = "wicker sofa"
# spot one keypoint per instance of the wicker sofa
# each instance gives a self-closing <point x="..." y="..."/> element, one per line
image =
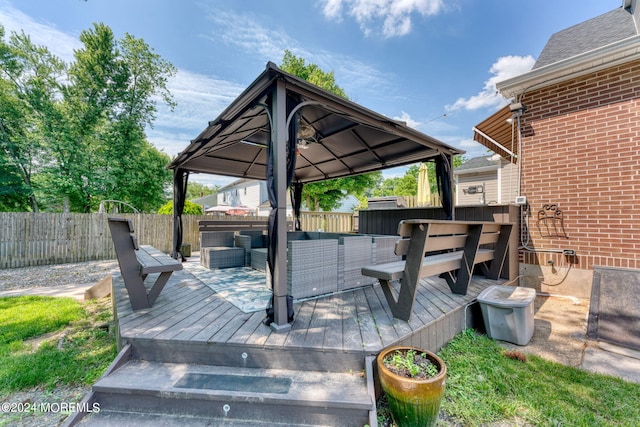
<point x="318" y="263"/>
<point x="354" y="252"/>
<point x="321" y="263"/>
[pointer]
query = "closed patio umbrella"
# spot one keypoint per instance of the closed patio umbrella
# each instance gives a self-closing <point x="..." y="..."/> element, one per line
<point x="424" y="189"/>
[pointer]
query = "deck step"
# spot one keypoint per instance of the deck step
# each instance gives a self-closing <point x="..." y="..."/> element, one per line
<point x="192" y="393"/>
<point x="119" y="419"/>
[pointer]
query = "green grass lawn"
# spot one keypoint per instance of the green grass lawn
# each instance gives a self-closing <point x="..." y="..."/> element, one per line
<point x="486" y="387"/>
<point x="46" y="342"/>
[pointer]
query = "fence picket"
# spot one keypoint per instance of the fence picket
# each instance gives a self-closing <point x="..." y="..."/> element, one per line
<point x="30" y="239"/>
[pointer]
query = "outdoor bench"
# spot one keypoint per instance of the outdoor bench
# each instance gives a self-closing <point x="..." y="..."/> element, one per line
<point x="137" y="262"/>
<point x="435" y="247"/>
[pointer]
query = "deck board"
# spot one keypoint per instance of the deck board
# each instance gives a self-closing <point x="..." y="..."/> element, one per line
<point x="242" y="335"/>
<point x="314" y="338"/>
<point x="333" y="325"/>
<point x="209" y="315"/>
<point x="226" y="312"/>
<point x="191" y="319"/>
<point x="169" y="304"/>
<point x="227" y="331"/>
<point x="382" y="318"/>
<point x="298" y="333"/>
<point x="352" y="339"/>
<point x="174" y="325"/>
<point x="368" y="330"/>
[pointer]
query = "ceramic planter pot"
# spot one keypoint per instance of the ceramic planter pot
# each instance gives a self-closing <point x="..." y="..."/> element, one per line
<point x="412" y="402"/>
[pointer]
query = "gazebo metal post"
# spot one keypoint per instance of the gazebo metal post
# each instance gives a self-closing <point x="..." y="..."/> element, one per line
<point x="180" y="178"/>
<point x="452" y="186"/>
<point x="280" y="288"/>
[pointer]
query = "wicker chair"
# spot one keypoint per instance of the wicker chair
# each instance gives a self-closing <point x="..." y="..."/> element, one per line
<point x="249" y="240"/>
<point x="217" y="250"/>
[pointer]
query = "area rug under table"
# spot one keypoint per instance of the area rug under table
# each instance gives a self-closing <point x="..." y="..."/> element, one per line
<point x="243" y="287"/>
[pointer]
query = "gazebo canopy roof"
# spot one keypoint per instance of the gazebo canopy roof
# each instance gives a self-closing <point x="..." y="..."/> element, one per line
<point x="340" y="138"/>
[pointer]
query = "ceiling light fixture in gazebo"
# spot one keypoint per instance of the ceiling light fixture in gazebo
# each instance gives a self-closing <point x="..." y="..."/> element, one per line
<point x="306" y="135"/>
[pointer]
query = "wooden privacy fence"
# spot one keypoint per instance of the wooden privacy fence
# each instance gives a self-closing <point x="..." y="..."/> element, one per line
<point x="412" y="201"/>
<point x="31" y="239"/>
<point x="333" y="222"/>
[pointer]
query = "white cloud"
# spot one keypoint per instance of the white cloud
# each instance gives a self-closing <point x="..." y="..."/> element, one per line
<point x="267" y="44"/>
<point x="505" y="67"/>
<point x="168" y="140"/>
<point x="405" y="117"/>
<point x="246" y="32"/>
<point x="468" y="143"/>
<point x="59" y="43"/>
<point x="392" y="17"/>
<point x="332" y="9"/>
<point x="200" y="99"/>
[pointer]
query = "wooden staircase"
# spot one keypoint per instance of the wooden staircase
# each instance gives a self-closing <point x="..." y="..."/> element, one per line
<point x="145" y="392"/>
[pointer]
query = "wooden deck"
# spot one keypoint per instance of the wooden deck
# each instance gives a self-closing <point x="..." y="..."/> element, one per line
<point x="190" y="323"/>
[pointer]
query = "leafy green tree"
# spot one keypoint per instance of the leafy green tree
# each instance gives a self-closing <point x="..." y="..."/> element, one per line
<point x="407" y="185"/>
<point x="109" y="101"/>
<point x="196" y="189"/>
<point x="327" y="195"/>
<point x="153" y="181"/>
<point x="190" y="208"/>
<point x="311" y="73"/>
<point x="28" y="91"/>
<point x="73" y="135"/>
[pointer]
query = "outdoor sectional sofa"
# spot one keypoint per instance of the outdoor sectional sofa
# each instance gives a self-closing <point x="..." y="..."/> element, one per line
<point x="318" y="263"/>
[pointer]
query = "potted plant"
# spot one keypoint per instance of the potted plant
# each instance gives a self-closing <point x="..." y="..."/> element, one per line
<point x="413" y="381"/>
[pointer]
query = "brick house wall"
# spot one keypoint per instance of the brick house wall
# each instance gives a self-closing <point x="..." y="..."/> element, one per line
<point x="580" y="149"/>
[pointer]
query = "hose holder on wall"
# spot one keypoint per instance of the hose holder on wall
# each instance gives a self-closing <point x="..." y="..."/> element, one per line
<point x="551" y="222"/>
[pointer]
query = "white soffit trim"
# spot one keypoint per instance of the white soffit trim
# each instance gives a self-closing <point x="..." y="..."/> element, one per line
<point x="607" y="56"/>
<point x="491" y="168"/>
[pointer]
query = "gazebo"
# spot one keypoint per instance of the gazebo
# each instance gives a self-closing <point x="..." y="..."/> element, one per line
<point x="290" y="132"/>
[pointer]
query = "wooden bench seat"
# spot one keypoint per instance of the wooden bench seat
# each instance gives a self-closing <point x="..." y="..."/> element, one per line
<point x="431" y="265"/>
<point x="433" y="247"/>
<point x="137" y="262"/>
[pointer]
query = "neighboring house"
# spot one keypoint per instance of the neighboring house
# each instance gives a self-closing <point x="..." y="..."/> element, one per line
<point x="206" y="201"/>
<point x="249" y="193"/>
<point x="576" y="143"/>
<point x="253" y="195"/>
<point x="485" y="180"/>
<point x="348" y="204"/>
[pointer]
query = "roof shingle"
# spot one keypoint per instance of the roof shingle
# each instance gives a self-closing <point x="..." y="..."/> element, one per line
<point x="597" y="32"/>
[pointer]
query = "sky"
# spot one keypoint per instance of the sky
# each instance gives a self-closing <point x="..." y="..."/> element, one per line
<point x="431" y="63"/>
